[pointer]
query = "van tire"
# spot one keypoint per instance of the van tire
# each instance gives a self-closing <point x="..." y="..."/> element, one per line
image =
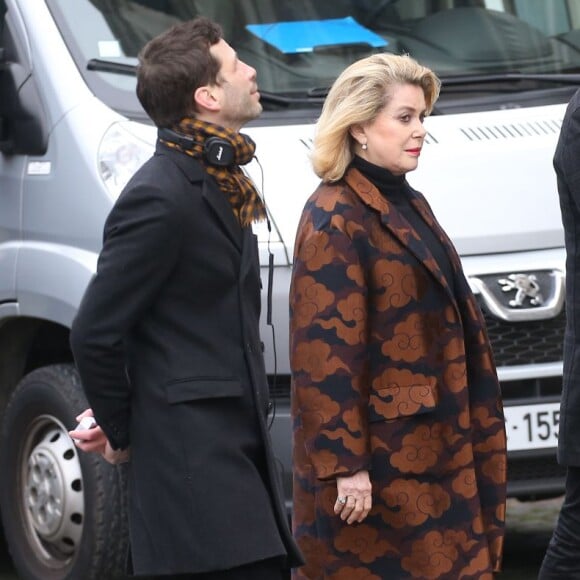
<point x="64" y="512"/>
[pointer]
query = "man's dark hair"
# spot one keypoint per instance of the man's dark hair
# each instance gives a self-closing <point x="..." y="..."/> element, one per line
<point x="173" y="65"/>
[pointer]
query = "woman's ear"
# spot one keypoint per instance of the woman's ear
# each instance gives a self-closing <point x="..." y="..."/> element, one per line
<point x="358" y="134"/>
<point x="205" y="99"/>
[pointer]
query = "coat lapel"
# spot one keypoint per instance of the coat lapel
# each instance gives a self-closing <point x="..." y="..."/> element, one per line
<point x="399" y="227"/>
<point x="223" y="210"/>
<point x="217" y="200"/>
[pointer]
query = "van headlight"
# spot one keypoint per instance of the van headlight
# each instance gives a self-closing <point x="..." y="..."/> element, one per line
<point x="124" y="148"/>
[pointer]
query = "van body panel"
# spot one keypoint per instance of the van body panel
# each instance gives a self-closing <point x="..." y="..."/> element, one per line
<point x="70" y="179"/>
<point x="10" y="196"/>
<point x="65" y="272"/>
<point x="513" y="213"/>
<point x="53" y="67"/>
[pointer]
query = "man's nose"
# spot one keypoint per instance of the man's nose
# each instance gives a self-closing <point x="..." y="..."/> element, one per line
<point x="252" y="74"/>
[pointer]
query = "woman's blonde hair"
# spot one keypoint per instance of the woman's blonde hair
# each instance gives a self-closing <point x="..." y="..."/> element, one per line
<point x="357" y="96"/>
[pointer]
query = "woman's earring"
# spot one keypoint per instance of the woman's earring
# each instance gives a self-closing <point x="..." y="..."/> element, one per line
<point x="364" y="146"/>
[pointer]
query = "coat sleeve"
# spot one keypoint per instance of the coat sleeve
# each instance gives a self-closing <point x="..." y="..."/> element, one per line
<point x="328" y="344"/>
<point x="141" y="246"/>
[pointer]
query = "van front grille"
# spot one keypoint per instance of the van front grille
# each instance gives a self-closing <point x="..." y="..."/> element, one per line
<point x="526" y="342"/>
<point x="532" y="468"/>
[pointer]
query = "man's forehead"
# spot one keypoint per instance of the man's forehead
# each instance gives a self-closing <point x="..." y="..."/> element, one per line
<point x="222" y="51"/>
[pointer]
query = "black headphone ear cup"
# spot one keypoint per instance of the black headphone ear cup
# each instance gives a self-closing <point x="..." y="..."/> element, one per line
<point x="218" y="151"/>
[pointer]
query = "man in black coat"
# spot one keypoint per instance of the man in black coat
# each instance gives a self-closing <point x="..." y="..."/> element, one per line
<point x="562" y="559"/>
<point x="166" y="338"/>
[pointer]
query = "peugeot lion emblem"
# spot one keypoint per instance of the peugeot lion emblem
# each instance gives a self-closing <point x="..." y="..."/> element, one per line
<point x="521" y="296"/>
<point x="525" y="286"/>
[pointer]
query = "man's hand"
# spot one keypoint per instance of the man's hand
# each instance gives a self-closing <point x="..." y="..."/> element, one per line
<point x="89" y="440"/>
<point x="354" y="500"/>
<point x="94" y="440"/>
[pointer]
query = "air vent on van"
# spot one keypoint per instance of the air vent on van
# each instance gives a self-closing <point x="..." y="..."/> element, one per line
<point x="513" y="130"/>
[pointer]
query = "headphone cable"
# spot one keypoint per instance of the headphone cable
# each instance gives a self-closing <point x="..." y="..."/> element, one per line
<point x="269" y="322"/>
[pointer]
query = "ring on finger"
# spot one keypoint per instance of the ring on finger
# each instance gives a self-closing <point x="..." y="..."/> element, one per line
<point x="341" y="500"/>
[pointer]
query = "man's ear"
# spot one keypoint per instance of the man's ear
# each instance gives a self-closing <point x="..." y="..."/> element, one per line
<point x="205" y="99"/>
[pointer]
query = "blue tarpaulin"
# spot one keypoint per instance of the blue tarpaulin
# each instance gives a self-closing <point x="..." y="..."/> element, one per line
<point x="308" y="35"/>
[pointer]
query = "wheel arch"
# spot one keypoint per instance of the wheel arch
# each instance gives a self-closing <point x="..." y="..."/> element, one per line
<point x="34" y="330"/>
<point x="27" y="343"/>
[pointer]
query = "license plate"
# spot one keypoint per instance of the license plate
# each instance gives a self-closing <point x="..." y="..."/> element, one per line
<point x="532" y="426"/>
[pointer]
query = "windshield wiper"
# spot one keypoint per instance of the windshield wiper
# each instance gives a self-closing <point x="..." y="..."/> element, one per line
<point x="112" y="66"/>
<point x="318" y="92"/>
<point x="508" y="77"/>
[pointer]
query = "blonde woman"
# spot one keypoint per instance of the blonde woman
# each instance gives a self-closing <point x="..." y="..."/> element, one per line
<point x="399" y="440"/>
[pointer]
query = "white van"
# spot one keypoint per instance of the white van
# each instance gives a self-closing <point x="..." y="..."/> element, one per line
<point x="72" y="132"/>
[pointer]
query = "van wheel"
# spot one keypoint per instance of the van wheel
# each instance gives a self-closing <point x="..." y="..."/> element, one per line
<point x="63" y="511"/>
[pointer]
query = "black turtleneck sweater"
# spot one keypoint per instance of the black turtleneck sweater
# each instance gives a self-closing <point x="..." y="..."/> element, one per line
<point x="398" y="192"/>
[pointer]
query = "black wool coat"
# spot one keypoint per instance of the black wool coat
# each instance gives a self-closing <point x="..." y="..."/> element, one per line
<point x="167" y="344"/>
<point x="567" y="166"/>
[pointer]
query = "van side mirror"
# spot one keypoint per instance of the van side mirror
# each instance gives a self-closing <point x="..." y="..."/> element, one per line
<point x="23" y="125"/>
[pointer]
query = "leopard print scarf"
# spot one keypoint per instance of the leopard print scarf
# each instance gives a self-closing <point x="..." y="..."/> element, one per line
<point x="241" y="191"/>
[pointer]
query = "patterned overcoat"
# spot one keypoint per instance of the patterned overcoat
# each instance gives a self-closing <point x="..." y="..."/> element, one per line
<point x="391" y="372"/>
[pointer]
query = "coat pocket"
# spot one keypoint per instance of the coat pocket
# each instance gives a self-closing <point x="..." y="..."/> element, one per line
<point x="395" y="401"/>
<point x="194" y="389"/>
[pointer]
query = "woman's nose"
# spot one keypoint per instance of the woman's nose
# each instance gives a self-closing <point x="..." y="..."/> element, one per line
<point x="420" y="130"/>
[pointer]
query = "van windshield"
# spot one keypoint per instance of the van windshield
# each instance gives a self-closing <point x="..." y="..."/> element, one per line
<point x="299" y="47"/>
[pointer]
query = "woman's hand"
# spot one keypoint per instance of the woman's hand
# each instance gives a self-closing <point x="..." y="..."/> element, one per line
<point x="354" y="500"/>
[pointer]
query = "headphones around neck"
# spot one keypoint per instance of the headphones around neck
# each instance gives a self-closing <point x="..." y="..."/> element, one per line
<point x="216" y="151"/>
